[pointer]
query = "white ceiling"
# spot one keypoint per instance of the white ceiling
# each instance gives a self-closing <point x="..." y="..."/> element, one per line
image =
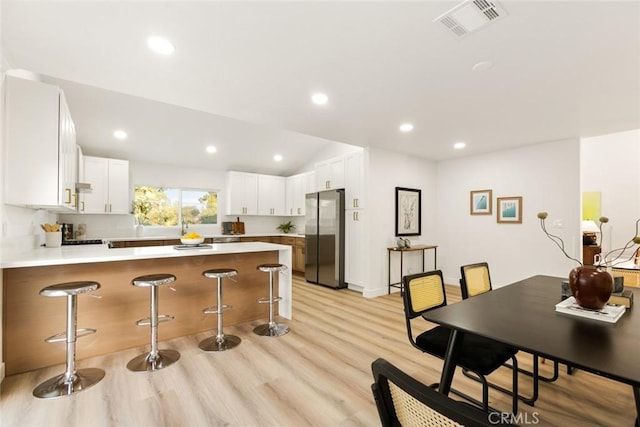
<point x="243" y="72"/>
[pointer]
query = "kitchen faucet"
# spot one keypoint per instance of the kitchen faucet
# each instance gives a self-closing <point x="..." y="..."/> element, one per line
<point x="185" y="227"/>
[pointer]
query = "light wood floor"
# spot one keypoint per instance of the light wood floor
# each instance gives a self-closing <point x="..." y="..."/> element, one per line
<point x="317" y="375"/>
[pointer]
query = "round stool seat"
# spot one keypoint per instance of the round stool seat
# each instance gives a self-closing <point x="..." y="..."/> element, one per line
<point x="70" y="288"/>
<point x="220" y="272"/>
<point x="266" y="268"/>
<point x="153" y="280"/>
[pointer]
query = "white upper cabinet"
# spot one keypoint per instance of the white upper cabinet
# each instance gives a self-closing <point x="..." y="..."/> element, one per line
<point x="329" y="174"/>
<point x="271" y="195"/>
<point x="109" y="179"/>
<point x="41" y="161"/>
<point x="354" y="181"/>
<point x="242" y="193"/>
<point x="297" y="187"/>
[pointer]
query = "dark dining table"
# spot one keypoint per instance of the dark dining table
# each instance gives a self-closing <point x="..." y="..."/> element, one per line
<point x="523" y="315"/>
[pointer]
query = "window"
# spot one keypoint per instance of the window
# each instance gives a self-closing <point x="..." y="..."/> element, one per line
<point x="171" y="206"/>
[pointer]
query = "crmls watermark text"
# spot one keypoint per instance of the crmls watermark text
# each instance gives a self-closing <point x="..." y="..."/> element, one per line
<point x="521" y="418"/>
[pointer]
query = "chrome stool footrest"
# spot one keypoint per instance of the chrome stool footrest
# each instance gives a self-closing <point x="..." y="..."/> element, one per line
<point x="62" y="336"/>
<point x="266" y="300"/>
<point x="161" y="318"/>
<point x="214" y="310"/>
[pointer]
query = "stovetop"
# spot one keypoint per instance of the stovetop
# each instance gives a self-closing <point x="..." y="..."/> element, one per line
<point x="83" y="242"/>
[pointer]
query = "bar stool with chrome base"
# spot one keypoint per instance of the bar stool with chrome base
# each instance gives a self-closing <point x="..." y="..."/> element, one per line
<point x="271" y="329"/>
<point x="72" y="381"/>
<point x="220" y="342"/>
<point x="155" y="359"/>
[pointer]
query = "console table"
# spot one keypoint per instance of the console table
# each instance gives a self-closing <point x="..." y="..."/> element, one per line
<point x="422" y="248"/>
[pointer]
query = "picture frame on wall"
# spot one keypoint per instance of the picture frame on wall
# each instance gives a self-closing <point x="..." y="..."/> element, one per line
<point x="480" y="202"/>
<point x="408" y="211"/>
<point x="509" y="210"/>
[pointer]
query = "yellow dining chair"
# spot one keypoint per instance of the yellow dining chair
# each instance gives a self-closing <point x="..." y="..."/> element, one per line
<point x="476" y="280"/>
<point x="424" y="292"/>
<point x="403" y="401"/>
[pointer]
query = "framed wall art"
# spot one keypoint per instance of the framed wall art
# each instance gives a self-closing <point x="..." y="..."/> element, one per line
<point x="480" y="202"/>
<point x="408" y="215"/>
<point x="510" y="210"/>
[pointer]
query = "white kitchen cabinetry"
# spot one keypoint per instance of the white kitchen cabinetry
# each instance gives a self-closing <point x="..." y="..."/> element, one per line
<point x="109" y="179"/>
<point x="354" y="181"/>
<point x="329" y="174"/>
<point x="297" y="187"/>
<point x="242" y="193"/>
<point x="271" y="195"/>
<point x="355" y="247"/>
<point x="41" y="161"/>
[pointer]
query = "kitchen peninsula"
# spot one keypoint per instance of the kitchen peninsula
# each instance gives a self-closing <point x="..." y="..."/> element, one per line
<point x="30" y="318"/>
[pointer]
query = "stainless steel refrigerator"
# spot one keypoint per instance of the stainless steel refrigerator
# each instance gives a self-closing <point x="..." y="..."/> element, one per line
<point x="324" y="238"/>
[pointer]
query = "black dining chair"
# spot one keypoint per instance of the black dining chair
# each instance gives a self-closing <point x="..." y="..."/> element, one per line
<point x="404" y="401"/>
<point x="475" y="279"/>
<point x="481" y="356"/>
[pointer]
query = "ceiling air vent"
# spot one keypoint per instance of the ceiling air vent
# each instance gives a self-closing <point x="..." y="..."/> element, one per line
<point x="470" y="16"/>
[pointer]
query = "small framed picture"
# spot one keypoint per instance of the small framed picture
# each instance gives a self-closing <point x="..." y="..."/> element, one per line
<point x="510" y="210"/>
<point x="480" y="202"/>
<point x="408" y="216"/>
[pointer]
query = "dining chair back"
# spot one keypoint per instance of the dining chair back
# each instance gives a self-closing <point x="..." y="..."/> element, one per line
<point x="404" y="401"/>
<point x="474" y="279"/>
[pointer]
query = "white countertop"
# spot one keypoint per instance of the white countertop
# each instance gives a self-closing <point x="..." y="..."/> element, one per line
<point x="206" y="236"/>
<point x="101" y="253"/>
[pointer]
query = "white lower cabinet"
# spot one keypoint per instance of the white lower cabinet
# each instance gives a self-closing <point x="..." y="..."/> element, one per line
<point x="355" y="247"/>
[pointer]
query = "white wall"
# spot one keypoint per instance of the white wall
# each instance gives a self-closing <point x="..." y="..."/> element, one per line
<point x="386" y="171"/>
<point x="546" y="176"/>
<point x="611" y="166"/>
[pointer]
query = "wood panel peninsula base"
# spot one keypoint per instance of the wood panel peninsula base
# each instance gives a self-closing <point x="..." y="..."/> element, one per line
<point x="30" y="318"/>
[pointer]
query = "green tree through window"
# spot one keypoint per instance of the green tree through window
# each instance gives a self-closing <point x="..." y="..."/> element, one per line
<point x="170" y="206"/>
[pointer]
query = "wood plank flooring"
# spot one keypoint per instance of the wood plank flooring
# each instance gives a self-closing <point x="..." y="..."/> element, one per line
<point x="317" y="375"/>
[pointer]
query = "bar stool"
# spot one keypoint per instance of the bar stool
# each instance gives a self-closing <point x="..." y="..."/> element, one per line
<point x="220" y="342"/>
<point x="271" y="329"/>
<point x="72" y="381"/>
<point x="155" y="359"/>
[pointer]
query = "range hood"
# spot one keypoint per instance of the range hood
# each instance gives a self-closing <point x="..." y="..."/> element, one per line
<point x="83" y="187"/>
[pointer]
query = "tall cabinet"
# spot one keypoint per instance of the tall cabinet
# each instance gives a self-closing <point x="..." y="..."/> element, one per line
<point x="355" y="220"/>
<point x="41" y="161"/>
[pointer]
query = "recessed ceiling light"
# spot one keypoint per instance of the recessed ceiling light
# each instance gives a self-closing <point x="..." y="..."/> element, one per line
<point x="482" y="66"/>
<point x="319" y="98"/>
<point x="120" y="134"/>
<point x="160" y="45"/>
<point x="277" y="157"/>
<point x="459" y="145"/>
<point x="211" y="149"/>
<point x="406" y="127"/>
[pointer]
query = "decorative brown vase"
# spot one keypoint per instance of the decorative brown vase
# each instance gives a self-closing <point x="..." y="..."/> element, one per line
<point x="591" y="286"/>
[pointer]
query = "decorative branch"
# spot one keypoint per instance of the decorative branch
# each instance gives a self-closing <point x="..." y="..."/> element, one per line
<point x="555" y="239"/>
<point x="607" y="262"/>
